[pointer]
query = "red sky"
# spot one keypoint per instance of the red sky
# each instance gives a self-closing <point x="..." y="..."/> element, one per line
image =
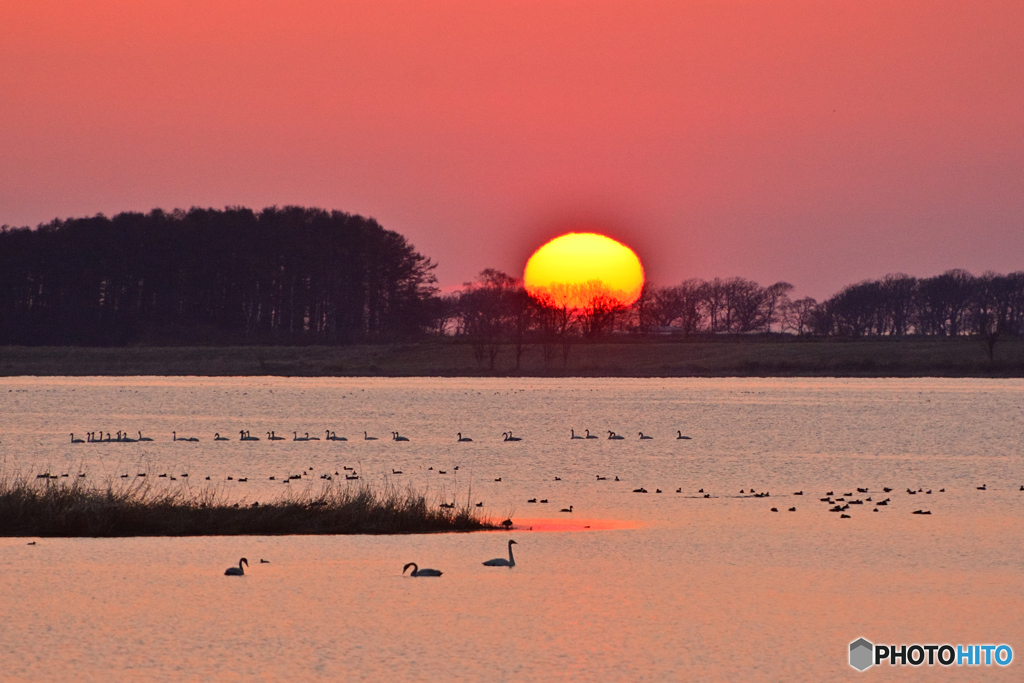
<point x="816" y="142"/>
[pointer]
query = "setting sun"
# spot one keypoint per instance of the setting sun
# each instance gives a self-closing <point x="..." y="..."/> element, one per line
<point x="575" y="268"/>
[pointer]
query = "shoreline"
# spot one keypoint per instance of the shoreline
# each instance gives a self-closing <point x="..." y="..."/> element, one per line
<point x="765" y="356"/>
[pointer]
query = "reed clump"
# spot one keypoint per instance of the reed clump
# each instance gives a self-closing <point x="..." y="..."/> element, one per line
<point x="72" y="508"/>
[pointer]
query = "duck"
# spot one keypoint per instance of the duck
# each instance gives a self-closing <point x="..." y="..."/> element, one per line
<point x="237" y="571"/>
<point x="463" y="439"/>
<point x="416" y="571"/>
<point x="501" y="561"/>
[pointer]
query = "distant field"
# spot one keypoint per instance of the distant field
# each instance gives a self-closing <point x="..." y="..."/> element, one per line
<point x="745" y="357"/>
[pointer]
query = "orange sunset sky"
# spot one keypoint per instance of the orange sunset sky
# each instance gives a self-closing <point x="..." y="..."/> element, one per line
<point x="818" y="142"/>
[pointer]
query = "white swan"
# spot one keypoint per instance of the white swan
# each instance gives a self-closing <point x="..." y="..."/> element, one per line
<point x="572" y="434"/>
<point x="416" y="571"/>
<point x="237" y="571"/>
<point x="501" y="561"/>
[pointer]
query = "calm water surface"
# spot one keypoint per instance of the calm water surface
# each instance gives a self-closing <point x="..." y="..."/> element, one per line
<point x="668" y="586"/>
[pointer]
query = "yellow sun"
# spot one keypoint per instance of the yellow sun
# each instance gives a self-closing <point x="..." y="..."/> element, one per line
<point x="580" y="269"/>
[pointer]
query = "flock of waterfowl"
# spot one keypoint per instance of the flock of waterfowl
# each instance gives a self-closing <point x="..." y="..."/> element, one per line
<point x="843" y="505"/>
<point x="245" y="435"/>
<point x="416" y="570"/>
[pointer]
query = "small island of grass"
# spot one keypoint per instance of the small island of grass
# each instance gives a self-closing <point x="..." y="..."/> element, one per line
<point x="47" y="508"/>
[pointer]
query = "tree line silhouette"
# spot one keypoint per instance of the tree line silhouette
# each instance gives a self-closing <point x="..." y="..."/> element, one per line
<point x="495" y="312"/>
<point x="299" y="275"/>
<point x="280" y="276"/>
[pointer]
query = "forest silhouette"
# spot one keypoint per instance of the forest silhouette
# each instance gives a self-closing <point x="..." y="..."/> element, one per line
<point x="233" y="276"/>
<point x="296" y="275"/>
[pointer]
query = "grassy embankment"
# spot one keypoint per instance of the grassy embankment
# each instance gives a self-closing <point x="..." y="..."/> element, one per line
<point x="657" y="357"/>
<point x="44" y="507"/>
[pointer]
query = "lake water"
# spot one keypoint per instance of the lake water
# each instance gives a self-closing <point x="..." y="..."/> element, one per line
<point x="661" y="586"/>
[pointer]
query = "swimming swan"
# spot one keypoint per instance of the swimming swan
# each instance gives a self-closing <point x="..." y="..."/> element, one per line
<point x="615" y="437"/>
<point x="237" y="571"/>
<point x="398" y="437"/>
<point x="501" y="561"/>
<point x="572" y="434"/>
<point x="642" y="437"/>
<point x="416" y="571"/>
<point x="366" y="437"/>
<point x="589" y="435"/>
<point x="509" y="437"/>
<point x="463" y="439"/>
<point x="74" y="440"/>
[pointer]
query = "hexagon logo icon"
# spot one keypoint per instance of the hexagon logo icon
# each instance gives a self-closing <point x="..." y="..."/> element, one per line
<point x="861" y="654"/>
